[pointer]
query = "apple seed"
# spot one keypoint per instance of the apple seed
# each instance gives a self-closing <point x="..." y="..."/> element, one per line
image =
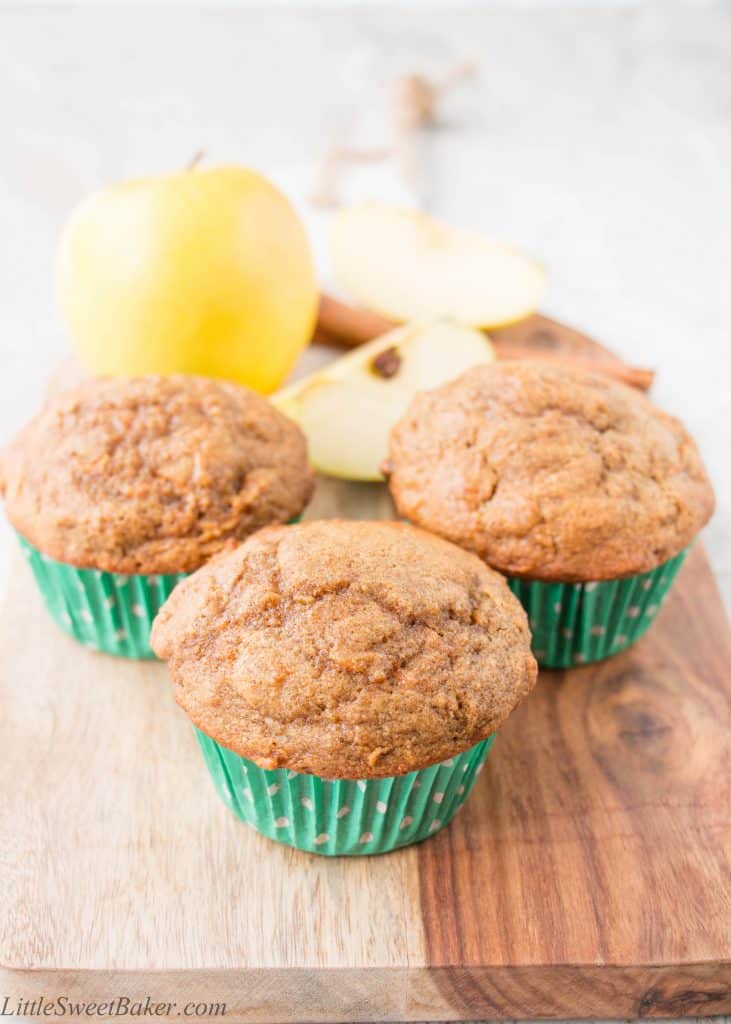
<point x="387" y="363"/>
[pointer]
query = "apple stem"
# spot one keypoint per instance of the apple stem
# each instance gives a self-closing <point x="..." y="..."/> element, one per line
<point x="195" y="159"/>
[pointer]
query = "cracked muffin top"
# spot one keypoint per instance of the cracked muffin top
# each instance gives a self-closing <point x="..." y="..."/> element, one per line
<point x="548" y="472"/>
<point x="346" y="649"/>
<point x="152" y="474"/>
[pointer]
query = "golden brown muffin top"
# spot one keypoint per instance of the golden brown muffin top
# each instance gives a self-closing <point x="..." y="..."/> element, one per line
<point x="346" y="649"/>
<point x="152" y="474"/>
<point x="549" y="472"/>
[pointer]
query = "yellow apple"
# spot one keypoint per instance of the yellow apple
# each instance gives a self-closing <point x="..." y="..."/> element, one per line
<point x="203" y="271"/>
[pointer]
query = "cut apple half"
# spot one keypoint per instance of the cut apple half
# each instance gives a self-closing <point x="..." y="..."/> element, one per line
<point x="348" y="408"/>
<point x="407" y="266"/>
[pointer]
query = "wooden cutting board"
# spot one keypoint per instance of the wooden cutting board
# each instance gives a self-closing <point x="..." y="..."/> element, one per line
<point x="587" y="876"/>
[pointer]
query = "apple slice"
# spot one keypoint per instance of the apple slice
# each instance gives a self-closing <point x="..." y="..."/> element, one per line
<point x="408" y="266"/>
<point x="348" y="408"/>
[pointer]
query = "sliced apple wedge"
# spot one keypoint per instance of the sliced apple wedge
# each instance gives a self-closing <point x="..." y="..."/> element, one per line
<point x="408" y="266"/>
<point x="348" y="408"/>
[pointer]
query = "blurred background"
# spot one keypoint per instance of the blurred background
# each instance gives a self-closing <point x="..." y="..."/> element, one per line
<point x="595" y="136"/>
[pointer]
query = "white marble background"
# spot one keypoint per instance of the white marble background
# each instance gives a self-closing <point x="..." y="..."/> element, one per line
<point x="597" y="137"/>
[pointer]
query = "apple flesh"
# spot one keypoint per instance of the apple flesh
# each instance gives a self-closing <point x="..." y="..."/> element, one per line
<point x="348" y="408"/>
<point x="407" y="266"/>
<point x="204" y="271"/>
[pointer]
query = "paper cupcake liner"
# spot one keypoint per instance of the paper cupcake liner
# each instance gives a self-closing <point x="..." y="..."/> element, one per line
<point x="575" y="623"/>
<point x="343" y="817"/>
<point x="104" y="611"/>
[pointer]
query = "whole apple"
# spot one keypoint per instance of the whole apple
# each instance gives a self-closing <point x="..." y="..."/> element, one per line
<point x="203" y="271"/>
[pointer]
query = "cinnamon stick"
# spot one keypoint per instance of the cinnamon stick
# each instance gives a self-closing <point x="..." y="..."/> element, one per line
<point x="635" y="376"/>
<point x="345" y="326"/>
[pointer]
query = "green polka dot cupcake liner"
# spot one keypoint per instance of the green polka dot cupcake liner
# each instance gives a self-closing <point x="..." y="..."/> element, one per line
<point x="104" y="611"/>
<point x="577" y="623"/>
<point x="343" y="817"/>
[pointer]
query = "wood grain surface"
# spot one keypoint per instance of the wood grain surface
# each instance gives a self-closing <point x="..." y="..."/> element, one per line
<point x="587" y="875"/>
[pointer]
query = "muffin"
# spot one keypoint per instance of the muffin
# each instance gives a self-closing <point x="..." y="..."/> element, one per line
<point x="345" y="679"/>
<point x="120" y="487"/>
<point x="576" y="487"/>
